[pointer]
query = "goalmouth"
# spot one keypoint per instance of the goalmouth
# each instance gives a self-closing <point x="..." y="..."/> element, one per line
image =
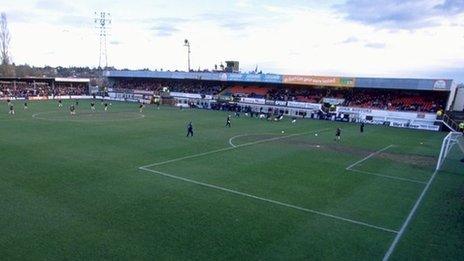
<point x="452" y="139"/>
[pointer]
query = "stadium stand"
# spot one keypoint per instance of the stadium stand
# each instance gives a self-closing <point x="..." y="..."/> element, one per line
<point x="397" y="102"/>
<point x="42" y="87"/>
<point x="173" y="86"/>
<point x="394" y="100"/>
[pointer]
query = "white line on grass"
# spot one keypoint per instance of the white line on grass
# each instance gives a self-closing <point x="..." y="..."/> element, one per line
<point x="409" y="218"/>
<point x="368" y="157"/>
<point x="269" y="200"/>
<point x="234" y="137"/>
<point x="234" y="147"/>
<point x="244" y="135"/>
<point x="76" y="119"/>
<point x="350" y="168"/>
<point x="388" y="176"/>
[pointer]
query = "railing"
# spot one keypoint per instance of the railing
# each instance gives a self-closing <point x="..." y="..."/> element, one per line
<point x="450" y="123"/>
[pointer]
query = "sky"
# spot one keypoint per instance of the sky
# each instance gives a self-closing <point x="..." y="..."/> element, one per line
<point x="376" y="38"/>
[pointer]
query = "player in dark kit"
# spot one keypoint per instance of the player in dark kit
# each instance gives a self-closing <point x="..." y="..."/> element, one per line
<point x="11" y="112"/>
<point x="106" y="106"/>
<point x="141" y="107"/>
<point x="72" y="109"/>
<point x="190" y="129"/>
<point x="338" y="134"/>
<point x="25" y="105"/>
<point x="228" y="121"/>
<point x="92" y="106"/>
<point x="361" y="128"/>
<point x="60" y="104"/>
<point x="77" y="103"/>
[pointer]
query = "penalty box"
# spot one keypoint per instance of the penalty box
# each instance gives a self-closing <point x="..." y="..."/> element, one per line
<point x="296" y="177"/>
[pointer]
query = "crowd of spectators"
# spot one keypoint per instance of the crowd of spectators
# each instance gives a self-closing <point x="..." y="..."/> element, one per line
<point x="136" y="84"/>
<point x="25" y="89"/>
<point x="70" y="89"/>
<point x="396" y="100"/>
<point x="172" y="86"/>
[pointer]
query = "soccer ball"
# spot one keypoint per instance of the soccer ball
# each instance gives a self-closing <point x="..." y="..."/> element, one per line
<point x="283" y="132"/>
<point x="316" y="134"/>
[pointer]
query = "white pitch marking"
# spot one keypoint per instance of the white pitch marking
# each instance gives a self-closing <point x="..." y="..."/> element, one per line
<point x="368" y="157"/>
<point x="387" y="176"/>
<point x="269" y="200"/>
<point x="35" y="116"/>
<point x="244" y="135"/>
<point x="231" y="148"/>
<point x="234" y="137"/>
<point x="409" y="218"/>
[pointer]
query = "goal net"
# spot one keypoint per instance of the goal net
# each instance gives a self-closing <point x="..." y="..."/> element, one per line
<point x="449" y="142"/>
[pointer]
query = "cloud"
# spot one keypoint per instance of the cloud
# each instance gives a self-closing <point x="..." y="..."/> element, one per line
<point x="351" y="39"/>
<point x="451" y="6"/>
<point x="243" y="3"/>
<point x="165" y="30"/>
<point x="23" y="16"/>
<point x="165" y="26"/>
<point x="375" y="45"/>
<point x="76" y="20"/>
<point x="400" y="14"/>
<point x="233" y="20"/>
<point x="54" y="5"/>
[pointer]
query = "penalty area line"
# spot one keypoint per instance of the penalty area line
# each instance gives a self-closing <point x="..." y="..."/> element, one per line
<point x="270" y="201"/>
<point x="251" y="134"/>
<point x="233" y="147"/>
<point x="368" y="157"/>
<point x="388" y="176"/>
<point x="350" y="168"/>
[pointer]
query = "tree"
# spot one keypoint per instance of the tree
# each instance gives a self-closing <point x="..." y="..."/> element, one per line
<point x="4" y="40"/>
<point x="6" y="69"/>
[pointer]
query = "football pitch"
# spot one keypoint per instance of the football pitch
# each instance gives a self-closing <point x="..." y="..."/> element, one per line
<point x="128" y="185"/>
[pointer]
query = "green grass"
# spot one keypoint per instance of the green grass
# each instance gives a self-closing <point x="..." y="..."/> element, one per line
<point x="71" y="188"/>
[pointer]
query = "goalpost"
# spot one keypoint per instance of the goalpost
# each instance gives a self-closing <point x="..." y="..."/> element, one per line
<point x="452" y="139"/>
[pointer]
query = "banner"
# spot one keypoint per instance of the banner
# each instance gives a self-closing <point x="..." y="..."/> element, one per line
<point x="253" y="100"/>
<point x="305" y="105"/>
<point x="333" y="101"/>
<point x="144" y="92"/>
<point x="387" y="114"/>
<point x="353" y="110"/>
<point x="191" y="95"/>
<point x="439" y="85"/>
<point x="318" y="80"/>
<point x="247" y="77"/>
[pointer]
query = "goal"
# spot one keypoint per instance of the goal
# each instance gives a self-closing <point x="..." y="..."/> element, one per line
<point x="452" y="139"/>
